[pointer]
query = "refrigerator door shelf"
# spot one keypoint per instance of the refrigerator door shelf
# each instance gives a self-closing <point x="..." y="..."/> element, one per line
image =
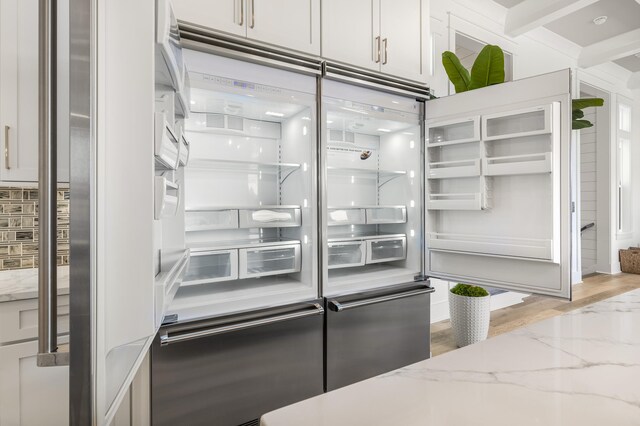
<point x="184" y="151"/>
<point x="518" y="164"/>
<point x="452" y="132"/>
<point x="211" y="267"/>
<point x="166" y="197"/>
<point x="454" y="169"/>
<point x="458" y="201"/>
<point x="386" y="214"/>
<point x="386" y="250"/>
<point x="266" y="261"/>
<point x="346" y="254"/>
<point x="167" y="283"/>
<point x="517" y="124"/>
<point x="517" y="247"/>
<point x="167" y="145"/>
<point x="270" y="217"/>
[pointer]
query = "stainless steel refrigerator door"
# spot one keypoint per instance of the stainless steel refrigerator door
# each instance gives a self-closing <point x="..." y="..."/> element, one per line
<point x="371" y="333"/>
<point x="231" y="370"/>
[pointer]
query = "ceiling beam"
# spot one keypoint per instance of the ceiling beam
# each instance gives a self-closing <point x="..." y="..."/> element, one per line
<point x="610" y="49"/>
<point x="634" y="81"/>
<point x="531" y="14"/>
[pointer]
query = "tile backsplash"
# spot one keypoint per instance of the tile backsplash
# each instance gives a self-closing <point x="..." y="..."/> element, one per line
<point x="19" y="228"/>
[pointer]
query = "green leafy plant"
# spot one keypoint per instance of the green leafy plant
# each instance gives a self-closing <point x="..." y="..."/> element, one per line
<point x="469" y="290"/>
<point x="577" y="105"/>
<point x="487" y="69"/>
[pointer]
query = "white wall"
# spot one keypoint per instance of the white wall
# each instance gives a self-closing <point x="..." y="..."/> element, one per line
<point x="537" y="52"/>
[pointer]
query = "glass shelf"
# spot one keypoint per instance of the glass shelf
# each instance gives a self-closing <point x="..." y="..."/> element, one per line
<point x="284" y="169"/>
<point x="383" y="176"/>
<point x="240" y="243"/>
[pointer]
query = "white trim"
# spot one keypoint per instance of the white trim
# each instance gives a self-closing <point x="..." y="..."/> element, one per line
<point x="531" y="14"/>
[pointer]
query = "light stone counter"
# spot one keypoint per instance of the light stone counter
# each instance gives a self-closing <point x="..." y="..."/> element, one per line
<point x="23" y="283"/>
<point x="581" y="368"/>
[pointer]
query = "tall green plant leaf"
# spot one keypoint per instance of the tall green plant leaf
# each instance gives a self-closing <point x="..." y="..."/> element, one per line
<point x="576" y="114"/>
<point x="586" y="103"/>
<point x="580" y="124"/>
<point x="488" y="68"/>
<point x="458" y="74"/>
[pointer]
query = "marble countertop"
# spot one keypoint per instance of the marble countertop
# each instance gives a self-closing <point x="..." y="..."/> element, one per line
<point x="580" y="368"/>
<point x="21" y="284"/>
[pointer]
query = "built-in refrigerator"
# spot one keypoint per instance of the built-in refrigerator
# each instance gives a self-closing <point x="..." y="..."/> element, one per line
<point x="225" y="354"/>
<point x="471" y="188"/>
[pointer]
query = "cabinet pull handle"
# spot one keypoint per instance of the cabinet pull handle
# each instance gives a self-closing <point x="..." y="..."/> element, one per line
<point x="241" y="23"/>
<point x="377" y="49"/>
<point x="7" y="162"/>
<point x="385" y="60"/>
<point x="253" y="14"/>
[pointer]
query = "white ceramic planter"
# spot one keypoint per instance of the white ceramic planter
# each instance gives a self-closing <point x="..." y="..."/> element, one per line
<point x="469" y="318"/>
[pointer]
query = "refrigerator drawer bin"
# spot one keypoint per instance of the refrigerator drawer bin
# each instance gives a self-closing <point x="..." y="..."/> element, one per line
<point x="379" y="215"/>
<point x="166" y="144"/>
<point x="453" y="132"/>
<point x="518" y="164"/>
<point x="519" y="123"/>
<point x="166" y="197"/>
<point x="471" y="201"/>
<point x="211" y="266"/>
<point x="210" y="220"/>
<point x="338" y="216"/>
<point x="183" y="157"/>
<point x="346" y="254"/>
<point x="454" y="169"/>
<point x="273" y="260"/>
<point x="270" y="217"/>
<point x="386" y="249"/>
<point x="518" y="247"/>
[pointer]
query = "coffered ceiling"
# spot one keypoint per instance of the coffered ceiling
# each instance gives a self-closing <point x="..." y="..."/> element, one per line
<point x="616" y="39"/>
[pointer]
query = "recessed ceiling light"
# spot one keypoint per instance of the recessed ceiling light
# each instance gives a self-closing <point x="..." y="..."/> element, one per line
<point x="600" y="20"/>
<point x="274" y="114"/>
<point x="384" y="130"/>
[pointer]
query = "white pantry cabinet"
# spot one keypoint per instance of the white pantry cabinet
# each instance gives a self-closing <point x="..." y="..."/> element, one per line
<point x="292" y="24"/>
<point x="381" y="35"/>
<point x="19" y="92"/>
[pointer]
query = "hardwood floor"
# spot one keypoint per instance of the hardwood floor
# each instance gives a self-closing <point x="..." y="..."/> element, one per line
<point x="536" y="308"/>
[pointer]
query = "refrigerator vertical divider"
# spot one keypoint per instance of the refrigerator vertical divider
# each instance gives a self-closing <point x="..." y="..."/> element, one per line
<point x="321" y="187"/>
<point x="423" y="183"/>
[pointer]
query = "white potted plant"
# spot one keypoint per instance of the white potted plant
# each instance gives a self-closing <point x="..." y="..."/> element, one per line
<point x="470" y="309"/>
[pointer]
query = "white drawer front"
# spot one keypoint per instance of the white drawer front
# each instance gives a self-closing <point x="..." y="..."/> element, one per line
<point x="19" y="319"/>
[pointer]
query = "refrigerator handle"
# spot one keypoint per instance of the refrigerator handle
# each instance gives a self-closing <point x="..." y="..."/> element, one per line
<point x="48" y="352"/>
<point x="166" y="338"/>
<point x="336" y="306"/>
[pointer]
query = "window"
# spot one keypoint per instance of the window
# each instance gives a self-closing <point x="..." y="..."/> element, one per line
<point x="624" y="205"/>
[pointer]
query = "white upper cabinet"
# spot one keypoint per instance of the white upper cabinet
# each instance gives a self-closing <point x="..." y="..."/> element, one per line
<point x="223" y="15"/>
<point x="350" y="32"/>
<point x="293" y="24"/>
<point x="404" y="38"/>
<point x="19" y="89"/>
<point x="380" y="35"/>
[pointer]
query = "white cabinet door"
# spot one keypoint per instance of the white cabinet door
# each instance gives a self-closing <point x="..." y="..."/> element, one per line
<point x="19" y="89"/>
<point x="507" y="223"/>
<point x="229" y="16"/>
<point x="350" y="31"/>
<point x="404" y="38"/>
<point x="31" y="395"/>
<point x="294" y="24"/>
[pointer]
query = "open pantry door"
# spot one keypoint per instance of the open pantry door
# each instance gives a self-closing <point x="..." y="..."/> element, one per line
<point x="498" y="186"/>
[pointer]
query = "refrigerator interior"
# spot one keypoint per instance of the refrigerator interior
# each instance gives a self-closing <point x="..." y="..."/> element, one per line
<point x="373" y="205"/>
<point x="249" y="212"/>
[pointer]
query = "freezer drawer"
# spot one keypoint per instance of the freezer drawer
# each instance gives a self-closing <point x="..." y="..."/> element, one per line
<point x="346" y="254"/>
<point x="372" y="333"/>
<point x="232" y="370"/>
<point x="273" y="260"/>
<point x="212" y="266"/>
<point x="270" y="218"/>
<point x="386" y="249"/>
